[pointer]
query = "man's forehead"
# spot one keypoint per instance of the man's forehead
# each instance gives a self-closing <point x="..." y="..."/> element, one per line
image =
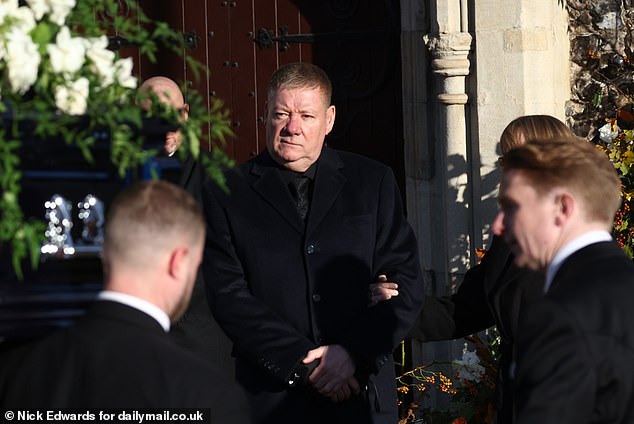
<point x="302" y="93"/>
<point x="167" y="92"/>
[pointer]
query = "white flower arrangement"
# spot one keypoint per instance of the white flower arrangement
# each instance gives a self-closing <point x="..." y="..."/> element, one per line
<point x="469" y="368"/>
<point x="66" y="57"/>
<point x="60" y="80"/>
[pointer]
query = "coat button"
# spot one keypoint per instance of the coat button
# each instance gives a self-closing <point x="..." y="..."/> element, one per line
<point x="316" y="297"/>
<point x="310" y="249"/>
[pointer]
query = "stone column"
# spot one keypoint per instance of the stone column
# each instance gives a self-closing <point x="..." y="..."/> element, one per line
<point x="435" y="49"/>
<point x="450" y="65"/>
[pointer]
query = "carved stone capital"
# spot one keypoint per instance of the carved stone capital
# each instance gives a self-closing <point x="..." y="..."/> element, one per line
<point x="450" y="53"/>
<point x="450" y="62"/>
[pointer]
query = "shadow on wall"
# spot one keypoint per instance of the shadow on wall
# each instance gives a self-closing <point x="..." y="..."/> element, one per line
<point x="457" y="168"/>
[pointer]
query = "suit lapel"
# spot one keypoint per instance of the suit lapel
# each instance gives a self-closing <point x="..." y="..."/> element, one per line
<point x="268" y="183"/>
<point x="328" y="184"/>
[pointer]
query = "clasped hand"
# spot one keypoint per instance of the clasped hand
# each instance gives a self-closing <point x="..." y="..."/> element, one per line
<point x="382" y="290"/>
<point x="334" y="376"/>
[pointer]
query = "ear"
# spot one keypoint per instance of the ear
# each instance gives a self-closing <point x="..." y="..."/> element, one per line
<point x="498" y="224"/>
<point x="566" y="208"/>
<point x="185" y="112"/>
<point x="177" y="266"/>
<point x="330" y="118"/>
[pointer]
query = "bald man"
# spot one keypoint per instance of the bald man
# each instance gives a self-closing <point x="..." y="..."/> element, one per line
<point x="197" y="330"/>
<point x="119" y="355"/>
<point x="167" y="92"/>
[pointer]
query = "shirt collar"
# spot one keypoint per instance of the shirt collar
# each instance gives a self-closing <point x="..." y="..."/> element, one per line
<point x="289" y="175"/>
<point x="570" y="248"/>
<point x="137" y="303"/>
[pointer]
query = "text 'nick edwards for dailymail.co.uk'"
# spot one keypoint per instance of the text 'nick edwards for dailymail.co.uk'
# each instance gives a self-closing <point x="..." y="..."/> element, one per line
<point x="106" y="416"/>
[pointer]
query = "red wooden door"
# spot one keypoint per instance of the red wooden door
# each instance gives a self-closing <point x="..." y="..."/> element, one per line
<point x="243" y="41"/>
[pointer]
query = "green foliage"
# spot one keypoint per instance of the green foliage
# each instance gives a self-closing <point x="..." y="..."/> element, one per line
<point x="618" y="144"/>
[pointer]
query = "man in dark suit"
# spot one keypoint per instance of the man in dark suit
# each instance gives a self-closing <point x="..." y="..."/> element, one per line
<point x="290" y="254"/>
<point x="576" y="344"/>
<point x="493" y="292"/>
<point x="196" y="329"/>
<point x="119" y="354"/>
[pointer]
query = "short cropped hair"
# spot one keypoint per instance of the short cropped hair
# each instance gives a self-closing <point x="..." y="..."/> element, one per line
<point x="574" y="164"/>
<point x="531" y="127"/>
<point x="300" y="75"/>
<point x="149" y="217"/>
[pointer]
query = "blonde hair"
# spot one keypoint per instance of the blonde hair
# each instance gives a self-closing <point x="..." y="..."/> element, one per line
<point x="572" y="163"/>
<point x="530" y="127"/>
<point x="300" y="75"/>
<point x="149" y="217"/>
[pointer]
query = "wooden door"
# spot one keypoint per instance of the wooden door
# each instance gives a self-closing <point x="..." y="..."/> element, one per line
<point x="243" y="41"/>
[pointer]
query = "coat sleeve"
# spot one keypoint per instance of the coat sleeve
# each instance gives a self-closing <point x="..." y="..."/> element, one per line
<point x="470" y="309"/>
<point x="453" y="316"/>
<point x="257" y="332"/>
<point x="375" y="334"/>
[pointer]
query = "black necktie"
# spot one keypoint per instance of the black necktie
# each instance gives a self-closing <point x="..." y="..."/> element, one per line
<point x="301" y="186"/>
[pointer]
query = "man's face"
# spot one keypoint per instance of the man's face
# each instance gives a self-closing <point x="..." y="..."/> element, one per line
<point x="171" y="95"/>
<point x="297" y="124"/>
<point x="527" y="221"/>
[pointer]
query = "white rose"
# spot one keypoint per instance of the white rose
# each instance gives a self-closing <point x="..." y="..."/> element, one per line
<point x="102" y="59"/>
<point x="469" y="368"/>
<point x="7" y="7"/>
<point x="60" y="9"/>
<point x="57" y="9"/>
<point x="470" y="358"/>
<point x="39" y="8"/>
<point x="22" y="59"/>
<point x="72" y="98"/>
<point x="24" y="19"/>
<point x="123" y="73"/>
<point x="606" y="134"/>
<point x="67" y="54"/>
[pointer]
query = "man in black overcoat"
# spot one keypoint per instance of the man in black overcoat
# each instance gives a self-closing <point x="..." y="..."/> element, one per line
<point x="576" y="344"/>
<point x="290" y="253"/>
<point x="196" y="329"/>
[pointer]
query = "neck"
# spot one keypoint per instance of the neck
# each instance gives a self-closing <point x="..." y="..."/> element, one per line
<point x="131" y="284"/>
<point x="298" y="166"/>
<point x="573" y="232"/>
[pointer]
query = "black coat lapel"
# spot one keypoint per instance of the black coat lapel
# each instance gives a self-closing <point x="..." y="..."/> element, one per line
<point x="268" y="183"/>
<point x="187" y="172"/>
<point x="329" y="182"/>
